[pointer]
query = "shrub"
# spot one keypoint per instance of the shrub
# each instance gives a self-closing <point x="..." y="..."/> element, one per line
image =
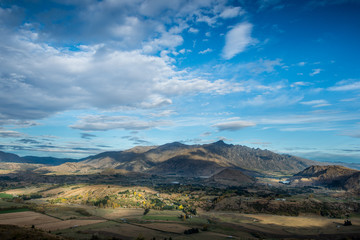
<point x="146" y="211"/>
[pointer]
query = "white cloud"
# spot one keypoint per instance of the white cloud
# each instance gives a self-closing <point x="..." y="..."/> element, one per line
<point x="167" y="40"/>
<point x="209" y="20"/>
<point x="164" y="113"/>
<point x="349" y="100"/>
<point x="237" y="39"/>
<point x="301" y="64"/>
<point x="233" y="125"/>
<point x="206" y="51"/>
<point x="177" y="86"/>
<point x="103" y="123"/>
<point x="205" y="134"/>
<point x="315" y="72"/>
<point x="354" y="133"/>
<point x="296" y="84"/>
<point x="347" y="85"/>
<point x="262" y="65"/>
<point x="39" y="80"/>
<point x="317" y="103"/>
<point x="124" y="24"/>
<point x="316" y="117"/>
<point x="155" y="101"/>
<point x="224" y="139"/>
<point x="231" y="12"/>
<point x="4" y="133"/>
<point x="193" y="30"/>
<point x="302" y="129"/>
<point x="273" y="100"/>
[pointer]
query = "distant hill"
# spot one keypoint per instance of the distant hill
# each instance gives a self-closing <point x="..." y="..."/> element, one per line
<point x="14" y="166"/>
<point x="232" y="177"/>
<point x="68" y="168"/>
<point x="197" y="160"/>
<point x="13" y="158"/>
<point x="326" y="172"/>
<point x="9" y="157"/>
<point x="9" y="161"/>
<point x="180" y="160"/>
<point x="329" y="176"/>
<point x="352" y="183"/>
<point x="47" y="160"/>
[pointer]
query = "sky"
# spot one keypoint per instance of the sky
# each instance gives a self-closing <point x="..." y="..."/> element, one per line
<point x="80" y="77"/>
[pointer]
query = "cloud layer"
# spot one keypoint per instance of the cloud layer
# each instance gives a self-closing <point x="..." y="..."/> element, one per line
<point x="233" y="125"/>
<point x="38" y="80"/>
<point x="237" y="39"/>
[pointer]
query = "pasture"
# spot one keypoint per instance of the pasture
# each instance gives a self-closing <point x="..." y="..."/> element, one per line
<point x="42" y="221"/>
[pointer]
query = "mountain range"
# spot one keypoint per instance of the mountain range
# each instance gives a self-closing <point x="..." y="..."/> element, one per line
<point x="217" y="163"/>
<point x="174" y="159"/>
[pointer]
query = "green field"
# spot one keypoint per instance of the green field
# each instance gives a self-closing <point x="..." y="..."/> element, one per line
<point x="6" y="196"/>
<point x="161" y="218"/>
<point x="14" y="210"/>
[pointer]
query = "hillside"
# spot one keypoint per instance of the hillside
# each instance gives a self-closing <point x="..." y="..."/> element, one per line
<point x="9" y="232"/>
<point x="329" y="176"/>
<point x="257" y="159"/>
<point x="13" y="158"/>
<point x="68" y="168"/>
<point x="197" y="160"/>
<point x="186" y="166"/>
<point x="9" y="157"/>
<point x="12" y="162"/>
<point x="326" y="172"/>
<point x="47" y="160"/>
<point x="177" y="159"/>
<point x="231" y="177"/>
<point x="352" y="183"/>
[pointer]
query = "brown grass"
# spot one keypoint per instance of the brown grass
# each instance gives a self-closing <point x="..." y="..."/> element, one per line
<point x="129" y="232"/>
<point x="26" y="218"/>
<point x="286" y="225"/>
<point x="42" y="221"/>
<point x="67" y="224"/>
<point x="167" y="227"/>
<point x="98" y="190"/>
<point x="117" y="213"/>
<point x="27" y="190"/>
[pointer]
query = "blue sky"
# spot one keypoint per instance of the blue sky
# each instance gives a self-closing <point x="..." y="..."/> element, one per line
<point x="83" y="77"/>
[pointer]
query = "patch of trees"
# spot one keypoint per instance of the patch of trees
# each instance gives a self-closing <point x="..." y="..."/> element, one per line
<point x="30" y="196"/>
<point x="191" y="231"/>
<point x="157" y="203"/>
<point x="169" y="207"/>
<point x="125" y="192"/>
<point x="146" y="211"/>
<point x="101" y="202"/>
<point x="347" y="223"/>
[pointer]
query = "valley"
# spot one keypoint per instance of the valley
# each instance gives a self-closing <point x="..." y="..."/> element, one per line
<point x="178" y="191"/>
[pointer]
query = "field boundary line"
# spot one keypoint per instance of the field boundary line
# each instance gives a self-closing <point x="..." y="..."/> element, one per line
<point x="134" y="224"/>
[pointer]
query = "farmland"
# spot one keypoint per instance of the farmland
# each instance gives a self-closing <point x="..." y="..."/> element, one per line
<point x="84" y="211"/>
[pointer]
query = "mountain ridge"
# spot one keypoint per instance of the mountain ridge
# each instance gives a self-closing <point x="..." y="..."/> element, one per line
<point x="197" y="160"/>
<point x="180" y="159"/>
